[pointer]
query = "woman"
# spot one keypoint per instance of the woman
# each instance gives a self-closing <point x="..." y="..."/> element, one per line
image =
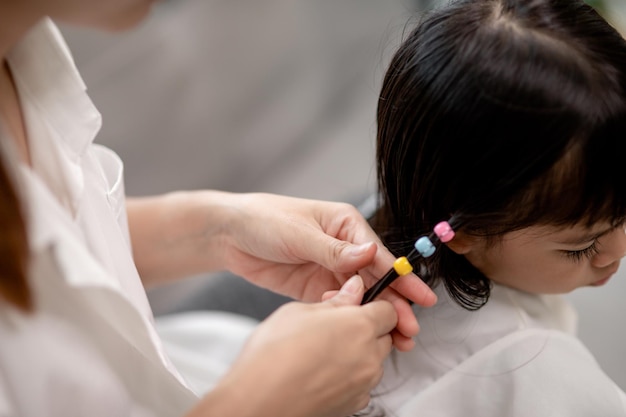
<point x="77" y="332"/>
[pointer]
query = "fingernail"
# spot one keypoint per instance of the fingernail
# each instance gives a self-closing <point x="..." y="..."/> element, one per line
<point x="352" y="286"/>
<point x="361" y="249"/>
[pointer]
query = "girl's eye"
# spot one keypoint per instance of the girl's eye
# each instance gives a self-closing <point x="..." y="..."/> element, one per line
<point x="588" y="252"/>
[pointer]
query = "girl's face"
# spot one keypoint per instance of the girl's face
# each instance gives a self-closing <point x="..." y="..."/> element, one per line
<point x="543" y="259"/>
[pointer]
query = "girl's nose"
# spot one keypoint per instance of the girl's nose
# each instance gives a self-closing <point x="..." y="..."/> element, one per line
<point x="611" y="247"/>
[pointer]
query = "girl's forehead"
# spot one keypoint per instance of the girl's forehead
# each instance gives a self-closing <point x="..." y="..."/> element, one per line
<point x="566" y="234"/>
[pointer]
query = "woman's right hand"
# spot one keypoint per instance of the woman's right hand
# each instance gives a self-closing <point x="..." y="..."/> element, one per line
<point x="306" y="360"/>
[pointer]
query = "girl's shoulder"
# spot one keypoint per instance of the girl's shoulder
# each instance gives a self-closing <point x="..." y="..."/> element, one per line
<point x="518" y="355"/>
<point x="529" y="372"/>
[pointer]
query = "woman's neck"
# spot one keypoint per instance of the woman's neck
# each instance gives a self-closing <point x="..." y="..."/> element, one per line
<point x="16" y="19"/>
<point x="11" y="117"/>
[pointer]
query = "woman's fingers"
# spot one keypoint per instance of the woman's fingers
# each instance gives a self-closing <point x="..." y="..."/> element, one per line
<point x="383" y="314"/>
<point x="406" y="325"/>
<point x="385" y="345"/>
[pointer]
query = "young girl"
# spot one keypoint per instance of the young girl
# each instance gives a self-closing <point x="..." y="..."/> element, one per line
<point x="506" y="118"/>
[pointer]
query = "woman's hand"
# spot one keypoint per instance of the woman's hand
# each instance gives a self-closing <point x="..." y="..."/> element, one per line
<point x="304" y="248"/>
<point x="297" y="247"/>
<point x="306" y="360"/>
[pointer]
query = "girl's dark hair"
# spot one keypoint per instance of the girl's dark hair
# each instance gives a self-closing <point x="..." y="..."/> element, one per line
<point x="14" y="287"/>
<point x="500" y="114"/>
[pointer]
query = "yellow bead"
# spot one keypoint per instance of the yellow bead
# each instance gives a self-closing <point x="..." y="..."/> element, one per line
<point x="402" y="266"/>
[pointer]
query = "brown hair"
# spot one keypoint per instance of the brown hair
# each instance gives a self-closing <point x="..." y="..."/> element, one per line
<point x="13" y="245"/>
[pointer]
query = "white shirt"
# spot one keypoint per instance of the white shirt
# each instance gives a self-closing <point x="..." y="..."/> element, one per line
<point x="517" y="356"/>
<point x="90" y="348"/>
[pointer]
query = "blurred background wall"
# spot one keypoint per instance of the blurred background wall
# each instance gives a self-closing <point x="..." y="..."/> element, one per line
<point x="244" y="95"/>
<point x="275" y="96"/>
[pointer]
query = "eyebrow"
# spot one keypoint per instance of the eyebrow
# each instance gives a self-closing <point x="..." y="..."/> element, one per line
<point x="586" y="238"/>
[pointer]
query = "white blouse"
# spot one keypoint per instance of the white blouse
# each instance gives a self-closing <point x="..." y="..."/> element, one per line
<point x="90" y="348"/>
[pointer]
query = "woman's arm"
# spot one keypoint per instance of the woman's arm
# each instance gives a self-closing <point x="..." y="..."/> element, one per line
<point x="178" y="234"/>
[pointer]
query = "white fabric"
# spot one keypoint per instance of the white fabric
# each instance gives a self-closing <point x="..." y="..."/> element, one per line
<point x="517" y="356"/>
<point x="202" y="345"/>
<point x="90" y="347"/>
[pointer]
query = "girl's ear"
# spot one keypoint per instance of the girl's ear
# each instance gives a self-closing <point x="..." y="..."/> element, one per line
<point x="462" y="243"/>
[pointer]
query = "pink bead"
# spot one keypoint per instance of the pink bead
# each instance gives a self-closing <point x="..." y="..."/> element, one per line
<point x="444" y="232"/>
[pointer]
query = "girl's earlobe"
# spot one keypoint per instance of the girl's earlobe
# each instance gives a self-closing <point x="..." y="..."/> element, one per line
<point x="462" y="244"/>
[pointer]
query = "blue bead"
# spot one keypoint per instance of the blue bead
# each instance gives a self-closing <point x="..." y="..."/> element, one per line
<point x="424" y="246"/>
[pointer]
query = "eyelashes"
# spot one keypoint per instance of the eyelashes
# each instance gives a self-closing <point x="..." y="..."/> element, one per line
<point x="587" y="253"/>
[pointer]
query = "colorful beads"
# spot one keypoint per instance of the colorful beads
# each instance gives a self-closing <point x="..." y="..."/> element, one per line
<point x="424" y="246"/>
<point x="402" y="266"/>
<point x="444" y="232"/>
